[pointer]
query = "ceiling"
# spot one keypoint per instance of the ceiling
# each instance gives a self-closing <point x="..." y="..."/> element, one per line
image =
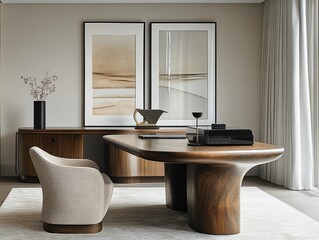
<point x="130" y="1"/>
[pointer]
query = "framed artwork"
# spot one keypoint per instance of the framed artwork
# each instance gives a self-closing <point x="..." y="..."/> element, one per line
<point x="114" y="72"/>
<point x="183" y="72"/>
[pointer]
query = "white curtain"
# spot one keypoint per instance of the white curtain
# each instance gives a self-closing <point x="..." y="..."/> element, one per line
<point x="289" y="110"/>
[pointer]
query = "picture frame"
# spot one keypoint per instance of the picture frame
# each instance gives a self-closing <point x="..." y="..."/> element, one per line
<point x="113" y="72"/>
<point x="183" y="71"/>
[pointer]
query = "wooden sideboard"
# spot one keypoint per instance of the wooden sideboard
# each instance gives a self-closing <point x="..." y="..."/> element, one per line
<point x="121" y="166"/>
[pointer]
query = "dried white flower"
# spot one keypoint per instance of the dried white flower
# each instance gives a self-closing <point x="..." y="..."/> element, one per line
<point x="40" y="91"/>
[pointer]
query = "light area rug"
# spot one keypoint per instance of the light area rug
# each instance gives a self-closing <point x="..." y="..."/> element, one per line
<point x="140" y="213"/>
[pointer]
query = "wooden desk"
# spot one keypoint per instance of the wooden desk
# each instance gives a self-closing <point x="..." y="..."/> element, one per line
<point x="204" y="180"/>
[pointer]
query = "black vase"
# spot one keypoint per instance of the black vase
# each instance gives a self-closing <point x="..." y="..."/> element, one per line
<point x="39" y="114"/>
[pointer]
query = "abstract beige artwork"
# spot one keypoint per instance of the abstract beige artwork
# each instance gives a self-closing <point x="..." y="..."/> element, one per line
<point x="183" y="73"/>
<point x="183" y="63"/>
<point x="114" y="74"/>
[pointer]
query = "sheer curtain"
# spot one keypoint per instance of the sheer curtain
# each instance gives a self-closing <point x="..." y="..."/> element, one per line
<point x="289" y="110"/>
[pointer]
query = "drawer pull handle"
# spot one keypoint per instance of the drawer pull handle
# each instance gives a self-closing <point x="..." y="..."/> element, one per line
<point x="53" y="139"/>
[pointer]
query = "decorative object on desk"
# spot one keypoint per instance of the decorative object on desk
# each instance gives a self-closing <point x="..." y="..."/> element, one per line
<point x="218" y="126"/>
<point x="218" y="135"/>
<point x="196" y="115"/>
<point x="150" y="116"/>
<point x="183" y="75"/>
<point x="40" y="91"/>
<point x="114" y="72"/>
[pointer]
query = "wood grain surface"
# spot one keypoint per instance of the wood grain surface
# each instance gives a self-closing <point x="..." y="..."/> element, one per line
<point x="177" y="151"/>
<point x="69" y="146"/>
<point x="211" y="180"/>
<point x="213" y="198"/>
<point x="72" y="229"/>
<point x="68" y="142"/>
<point x="123" y="164"/>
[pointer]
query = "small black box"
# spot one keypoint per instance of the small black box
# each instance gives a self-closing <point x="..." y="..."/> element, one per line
<point x="220" y="137"/>
<point x="218" y="126"/>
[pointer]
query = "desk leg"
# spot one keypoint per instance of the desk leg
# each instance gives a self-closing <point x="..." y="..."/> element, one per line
<point x="213" y="198"/>
<point x="175" y="186"/>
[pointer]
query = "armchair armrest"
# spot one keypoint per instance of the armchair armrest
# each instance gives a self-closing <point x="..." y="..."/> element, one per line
<point x="72" y="161"/>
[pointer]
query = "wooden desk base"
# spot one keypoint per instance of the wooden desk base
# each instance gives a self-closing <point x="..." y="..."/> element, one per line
<point x="206" y="179"/>
<point x="213" y="198"/>
<point x="175" y="186"/>
<point x="213" y="195"/>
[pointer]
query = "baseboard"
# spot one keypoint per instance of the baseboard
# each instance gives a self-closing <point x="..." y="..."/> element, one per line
<point x="7" y="170"/>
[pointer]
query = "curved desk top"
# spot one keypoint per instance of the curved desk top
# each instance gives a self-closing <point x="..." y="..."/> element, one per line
<point x="177" y="151"/>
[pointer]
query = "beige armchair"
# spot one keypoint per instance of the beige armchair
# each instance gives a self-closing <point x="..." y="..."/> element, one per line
<point x="76" y="195"/>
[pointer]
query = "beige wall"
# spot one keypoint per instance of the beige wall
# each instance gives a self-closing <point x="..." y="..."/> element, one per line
<point x="35" y="38"/>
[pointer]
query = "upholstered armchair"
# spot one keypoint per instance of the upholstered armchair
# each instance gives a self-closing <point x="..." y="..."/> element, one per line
<point x="76" y="195"/>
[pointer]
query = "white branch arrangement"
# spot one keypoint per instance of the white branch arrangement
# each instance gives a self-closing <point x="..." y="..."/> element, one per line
<point x="40" y="91"/>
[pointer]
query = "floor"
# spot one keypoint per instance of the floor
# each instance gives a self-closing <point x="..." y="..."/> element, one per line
<point x="304" y="201"/>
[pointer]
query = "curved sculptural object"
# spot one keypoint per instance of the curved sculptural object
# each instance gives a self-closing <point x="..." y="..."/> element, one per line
<point x="150" y="116"/>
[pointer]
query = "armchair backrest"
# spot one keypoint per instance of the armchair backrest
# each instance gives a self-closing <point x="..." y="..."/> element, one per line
<point x="43" y="163"/>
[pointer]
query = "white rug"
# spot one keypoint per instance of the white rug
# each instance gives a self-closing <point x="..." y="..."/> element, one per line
<point x="140" y="213"/>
